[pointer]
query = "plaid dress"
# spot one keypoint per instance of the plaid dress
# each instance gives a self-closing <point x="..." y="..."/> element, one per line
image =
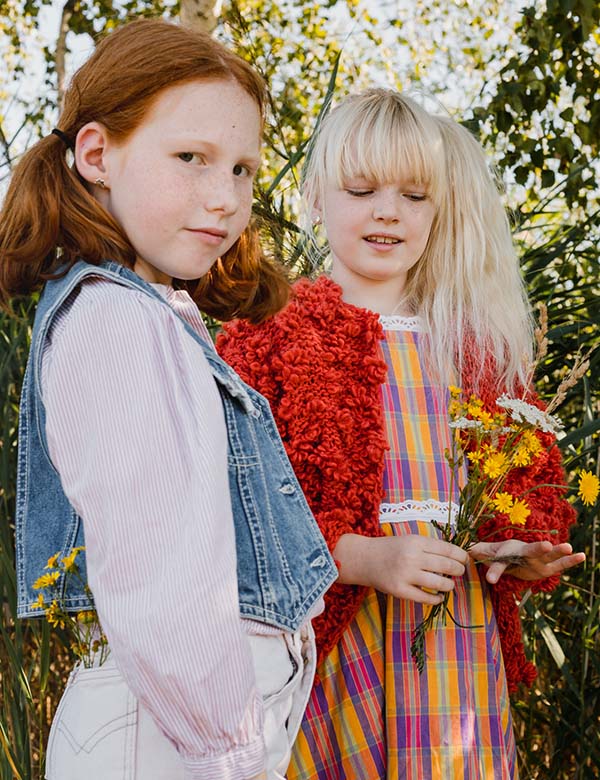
<point x="371" y="716"/>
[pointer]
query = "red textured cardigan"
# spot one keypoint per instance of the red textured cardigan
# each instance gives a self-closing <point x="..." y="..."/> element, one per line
<point x="318" y="364"/>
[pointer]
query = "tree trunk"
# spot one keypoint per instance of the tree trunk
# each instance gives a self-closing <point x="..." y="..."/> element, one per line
<point x="61" y="48"/>
<point x="200" y="15"/>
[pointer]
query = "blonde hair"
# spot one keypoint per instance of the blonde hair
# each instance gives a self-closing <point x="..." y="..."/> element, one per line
<point x="467" y="285"/>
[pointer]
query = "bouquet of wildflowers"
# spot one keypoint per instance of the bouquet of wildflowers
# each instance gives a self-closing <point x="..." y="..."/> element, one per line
<point x="492" y="445"/>
<point x="88" y="641"/>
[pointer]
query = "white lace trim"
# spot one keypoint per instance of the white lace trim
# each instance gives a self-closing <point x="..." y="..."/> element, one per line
<point x="417" y="510"/>
<point x="394" y="322"/>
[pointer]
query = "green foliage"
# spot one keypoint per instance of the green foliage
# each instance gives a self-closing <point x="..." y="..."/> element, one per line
<point x="545" y="106"/>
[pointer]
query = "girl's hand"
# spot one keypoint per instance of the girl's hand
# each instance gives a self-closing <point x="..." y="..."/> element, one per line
<point x="525" y="560"/>
<point x="413" y="567"/>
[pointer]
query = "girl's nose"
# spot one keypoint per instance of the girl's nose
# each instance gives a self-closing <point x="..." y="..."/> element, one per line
<point x="220" y="193"/>
<point x="385" y="206"/>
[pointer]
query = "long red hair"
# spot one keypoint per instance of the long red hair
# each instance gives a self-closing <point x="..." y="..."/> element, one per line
<point x="50" y="219"/>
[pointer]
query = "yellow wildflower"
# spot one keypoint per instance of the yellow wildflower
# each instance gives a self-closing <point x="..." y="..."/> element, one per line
<point x="531" y="441"/>
<point x="588" y="488"/>
<point x="88" y="616"/>
<point x="55" y="616"/>
<point x="46" y="580"/>
<point x="503" y="502"/>
<point x="487" y="420"/>
<point x="455" y="392"/>
<point x="455" y="409"/>
<point x="40" y="603"/>
<point x="476" y="456"/>
<point x="69" y="561"/>
<point x="522" y="456"/>
<point x="495" y="465"/>
<point x="519" y="512"/>
<point x="53" y="561"/>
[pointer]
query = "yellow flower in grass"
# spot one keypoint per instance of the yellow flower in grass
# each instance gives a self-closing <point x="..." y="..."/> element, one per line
<point x="503" y="502"/>
<point x="455" y="392"/>
<point x="55" y="616"/>
<point x="588" y="488"/>
<point x="40" y="603"/>
<point x="495" y="465"/>
<point x="518" y="513"/>
<point x="88" y="616"/>
<point x="46" y="580"/>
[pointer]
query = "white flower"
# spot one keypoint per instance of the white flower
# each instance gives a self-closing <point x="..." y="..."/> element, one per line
<point x="463" y="423"/>
<point x="521" y="411"/>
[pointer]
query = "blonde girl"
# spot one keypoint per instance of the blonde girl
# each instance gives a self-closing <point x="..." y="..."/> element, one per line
<point x="423" y="289"/>
<point x="137" y="441"/>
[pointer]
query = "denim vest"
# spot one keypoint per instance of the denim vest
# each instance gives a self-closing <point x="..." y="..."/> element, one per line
<point x="283" y="564"/>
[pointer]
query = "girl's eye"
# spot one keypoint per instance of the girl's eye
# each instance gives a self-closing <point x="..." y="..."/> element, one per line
<point x="241" y="170"/>
<point x="188" y="157"/>
<point x="359" y="193"/>
<point x="416" y="197"/>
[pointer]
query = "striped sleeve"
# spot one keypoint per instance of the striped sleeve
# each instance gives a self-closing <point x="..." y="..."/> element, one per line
<point x="136" y="430"/>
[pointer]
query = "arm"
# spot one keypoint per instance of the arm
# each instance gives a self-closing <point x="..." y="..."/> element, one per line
<point x="135" y="428"/>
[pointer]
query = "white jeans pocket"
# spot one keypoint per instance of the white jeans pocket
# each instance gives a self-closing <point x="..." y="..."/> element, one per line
<point x="93" y="733"/>
<point x="284" y="678"/>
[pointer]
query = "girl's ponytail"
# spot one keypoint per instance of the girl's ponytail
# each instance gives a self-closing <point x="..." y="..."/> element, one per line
<point x="49" y="219"/>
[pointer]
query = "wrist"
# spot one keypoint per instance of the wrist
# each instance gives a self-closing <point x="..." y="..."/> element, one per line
<point x="352" y="555"/>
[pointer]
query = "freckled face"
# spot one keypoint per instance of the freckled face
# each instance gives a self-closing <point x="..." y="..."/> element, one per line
<point x="181" y="185"/>
<point x="376" y="232"/>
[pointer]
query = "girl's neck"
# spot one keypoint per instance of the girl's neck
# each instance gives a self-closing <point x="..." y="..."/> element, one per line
<point x="382" y="297"/>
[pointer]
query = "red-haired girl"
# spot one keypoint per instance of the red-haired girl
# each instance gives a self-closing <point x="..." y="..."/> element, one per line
<point x="135" y="433"/>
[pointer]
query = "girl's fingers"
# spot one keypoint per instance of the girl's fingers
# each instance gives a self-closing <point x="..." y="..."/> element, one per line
<point x="447" y="550"/>
<point x="434" y="582"/>
<point x="421" y="596"/>
<point x="495" y="571"/>
<point x="442" y="565"/>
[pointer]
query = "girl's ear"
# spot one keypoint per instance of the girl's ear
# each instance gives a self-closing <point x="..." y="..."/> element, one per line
<point x="90" y="151"/>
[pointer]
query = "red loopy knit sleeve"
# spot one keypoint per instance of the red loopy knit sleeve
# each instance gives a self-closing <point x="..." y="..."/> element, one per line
<point x="317" y="364"/>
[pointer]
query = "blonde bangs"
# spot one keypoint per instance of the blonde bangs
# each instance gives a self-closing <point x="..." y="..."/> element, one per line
<point x="467" y="286"/>
<point x="375" y="136"/>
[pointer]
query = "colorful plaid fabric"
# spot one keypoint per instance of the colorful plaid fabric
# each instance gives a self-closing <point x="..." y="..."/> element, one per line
<point x="371" y="715"/>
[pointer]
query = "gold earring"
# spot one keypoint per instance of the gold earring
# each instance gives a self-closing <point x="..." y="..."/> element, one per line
<point x="101" y="183"/>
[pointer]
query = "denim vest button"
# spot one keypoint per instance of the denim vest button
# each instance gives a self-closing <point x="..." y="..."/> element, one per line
<point x="319" y="561"/>
<point x="287" y="489"/>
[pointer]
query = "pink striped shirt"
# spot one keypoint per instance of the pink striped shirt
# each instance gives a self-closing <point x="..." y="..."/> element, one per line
<point x="136" y="430"/>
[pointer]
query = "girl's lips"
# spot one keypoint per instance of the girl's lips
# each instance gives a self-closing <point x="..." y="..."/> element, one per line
<point x="388" y="245"/>
<point x="211" y="236"/>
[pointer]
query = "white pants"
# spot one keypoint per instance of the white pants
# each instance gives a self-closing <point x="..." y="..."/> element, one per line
<point x="101" y="732"/>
